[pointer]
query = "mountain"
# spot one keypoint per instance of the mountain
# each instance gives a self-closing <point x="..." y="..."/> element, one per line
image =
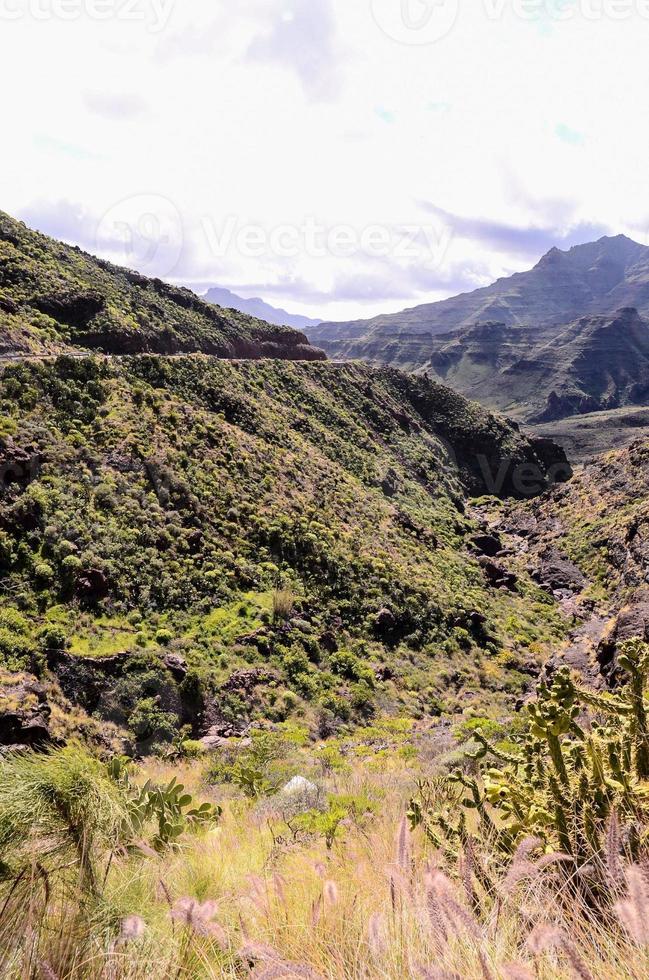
<point x="596" y="278"/>
<point x="258" y="308"/>
<point x="541" y="374"/>
<point x="54" y="297"/>
<point x="213" y="541"/>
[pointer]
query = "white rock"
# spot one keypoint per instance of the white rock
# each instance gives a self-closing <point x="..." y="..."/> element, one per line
<point x="299" y="786"/>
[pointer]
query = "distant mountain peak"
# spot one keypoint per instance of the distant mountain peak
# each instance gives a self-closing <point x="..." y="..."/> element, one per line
<point x="609" y="245"/>
<point x="587" y="279"/>
<point x="553" y="255"/>
<point x="257" y="307"/>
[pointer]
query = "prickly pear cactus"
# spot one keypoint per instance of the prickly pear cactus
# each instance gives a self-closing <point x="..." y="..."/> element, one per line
<point x="169" y="808"/>
<point x="584" y="756"/>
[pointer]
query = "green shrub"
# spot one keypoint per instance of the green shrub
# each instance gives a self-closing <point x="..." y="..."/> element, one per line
<point x="56" y="808"/>
<point x="170" y="807"/>
<point x="283" y="604"/>
<point x="53" y="638"/>
<point x="17" y="651"/>
<point x="151" y="725"/>
<point x="329" y="823"/>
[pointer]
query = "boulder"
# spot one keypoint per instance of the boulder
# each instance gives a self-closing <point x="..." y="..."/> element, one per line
<point x="219" y="735"/>
<point x="85" y="681"/>
<point x="328" y="641"/>
<point x="93" y="585"/>
<point x="177" y="666"/>
<point x="559" y="572"/>
<point x="385" y="621"/>
<point x="297" y="796"/>
<point x="18" y="465"/>
<point x="632" y="622"/>
<point x="24" y="713"/>
<point x="246" y="680"/>
<point x="487" y="544"/>
<point x="390" y="483"/>
<point x="497" y="576"/>
<point x="298" y="786"/>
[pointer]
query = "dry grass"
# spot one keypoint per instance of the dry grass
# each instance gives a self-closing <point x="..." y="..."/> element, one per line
<point x="283" y="604"/>
<point x="249" y="898"/>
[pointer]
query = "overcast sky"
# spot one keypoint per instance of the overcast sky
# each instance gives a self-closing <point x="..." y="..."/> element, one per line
<point x="339" y="158"/>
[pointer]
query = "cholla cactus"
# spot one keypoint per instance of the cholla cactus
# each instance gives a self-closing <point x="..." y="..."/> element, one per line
<point x="582" y="762"/>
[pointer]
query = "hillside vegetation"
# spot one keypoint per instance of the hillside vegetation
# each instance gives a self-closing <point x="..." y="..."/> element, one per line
<point x="54" y="297"/>
<point x="307" y="670"/>
<point x="294" y="535"/>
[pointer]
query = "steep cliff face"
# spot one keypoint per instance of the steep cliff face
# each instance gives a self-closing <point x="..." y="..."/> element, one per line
<point x="587" y="544"/>
<point x="54" y="297"/>
<point x="541" y="374"/>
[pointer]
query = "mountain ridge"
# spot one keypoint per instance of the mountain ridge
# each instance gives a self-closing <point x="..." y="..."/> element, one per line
<point x="55" y="297"/>
<point x="596" y="277"/>
<point x="259" y="308"/>
<point x="541" y="374"/>
<point x="568" y="337"/>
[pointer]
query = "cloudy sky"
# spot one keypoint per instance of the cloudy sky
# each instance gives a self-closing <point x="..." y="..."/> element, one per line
<point x="339" y="158"/>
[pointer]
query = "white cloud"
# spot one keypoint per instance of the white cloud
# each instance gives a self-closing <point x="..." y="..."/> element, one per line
<point x="281" y="113"/>
<point x="119" y="106"/>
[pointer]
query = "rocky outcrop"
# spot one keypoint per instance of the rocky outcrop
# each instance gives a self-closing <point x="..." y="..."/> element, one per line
<point x="270" y="343"/>
<point x="556" y="572"/>
<point x="487" y="544"/>
<point x="497" y="576"/>
<point x="18" y="465"/>
<point x="24" y="713"/>
<point x="74" y="309"/>
<point x="248" y="686"/>
<point x="632" y="622"/>
<point x="100" y="307"/>
<point x="85" y="680"/>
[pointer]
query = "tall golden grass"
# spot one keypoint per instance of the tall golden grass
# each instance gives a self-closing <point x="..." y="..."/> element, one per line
<point x="250" y="897"/>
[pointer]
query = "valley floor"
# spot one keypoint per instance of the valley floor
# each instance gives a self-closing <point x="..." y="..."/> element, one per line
<point x="584" y="437"/>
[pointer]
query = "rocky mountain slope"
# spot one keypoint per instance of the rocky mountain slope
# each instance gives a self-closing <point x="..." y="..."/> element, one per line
<point x="53" y="297"/>
<point x="196" y="544"/>
<point x="596" y="278"/>
<point x="540" y="374"/>
<point x="258" y="308"/>
<point x="587" y="544"/>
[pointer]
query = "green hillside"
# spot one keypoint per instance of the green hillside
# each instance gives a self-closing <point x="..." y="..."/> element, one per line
<point x="53" y="297"/>
<point x="294" y="534"/>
